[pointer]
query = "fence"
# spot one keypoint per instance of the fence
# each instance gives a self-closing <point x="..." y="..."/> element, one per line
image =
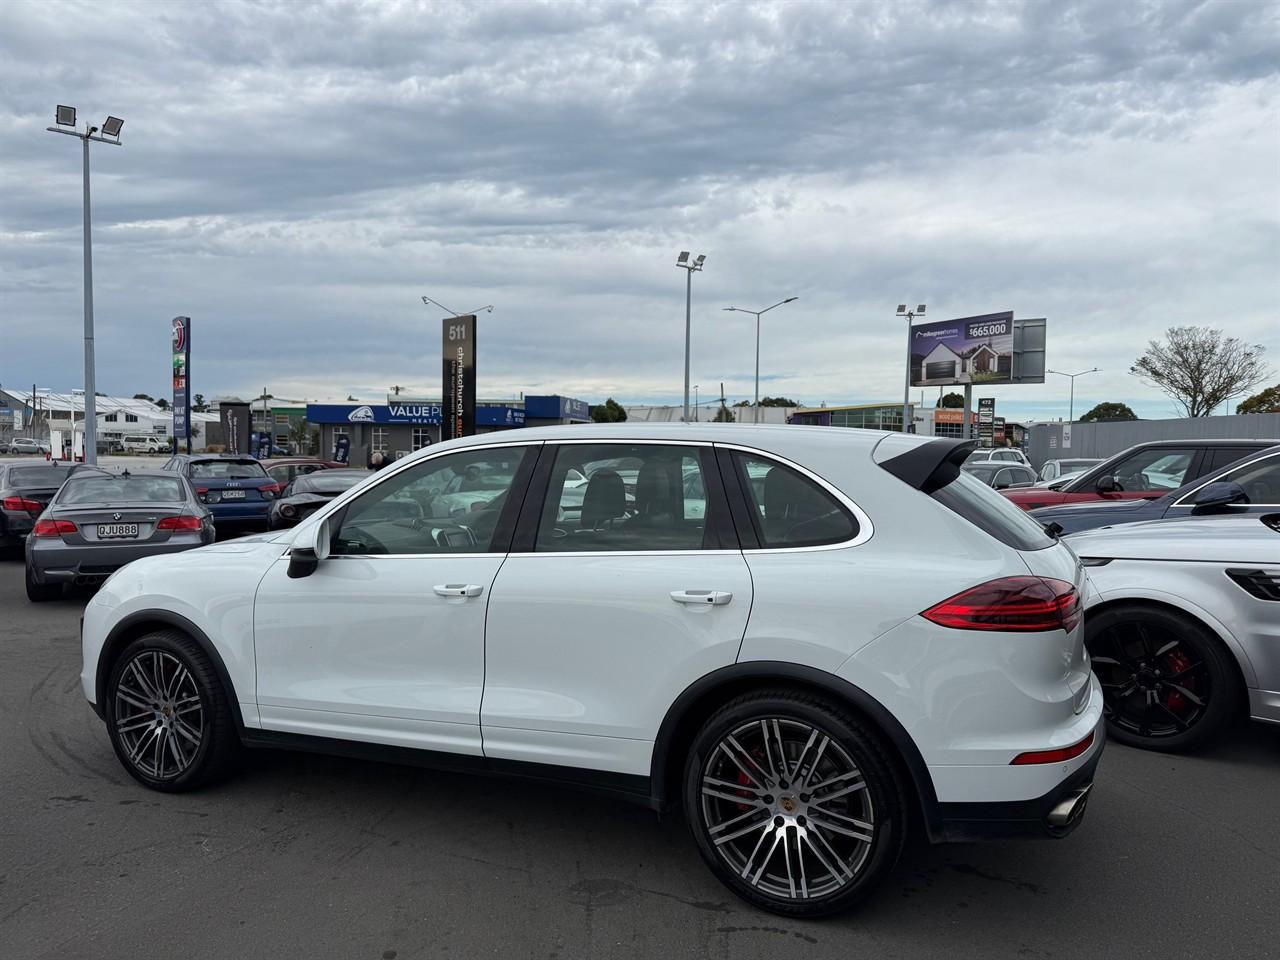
<point x="1053" y="441"/>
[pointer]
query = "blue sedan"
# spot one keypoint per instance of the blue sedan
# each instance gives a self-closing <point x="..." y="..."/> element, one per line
<point x="1249" y="485"/>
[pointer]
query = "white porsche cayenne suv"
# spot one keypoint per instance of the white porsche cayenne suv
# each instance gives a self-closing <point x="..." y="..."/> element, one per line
<point x="808" y="639"/>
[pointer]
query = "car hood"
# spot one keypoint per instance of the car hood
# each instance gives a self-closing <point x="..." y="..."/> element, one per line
<point x="1251" y="539"/>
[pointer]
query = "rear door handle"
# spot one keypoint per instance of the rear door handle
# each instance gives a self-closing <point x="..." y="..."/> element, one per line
<point x="702" y="597"/>
<point x="458" y="589"/>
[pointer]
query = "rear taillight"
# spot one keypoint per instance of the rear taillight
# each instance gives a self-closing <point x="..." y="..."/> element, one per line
<point x="1061" y="755"/>
<point x="22" y="503"/>
<point x="1021" y="604"/>
<point x="270" y="491"/>
<point x="179" y="523"/>
<point x="207" y="497"/>
<point x="52" y="528"/>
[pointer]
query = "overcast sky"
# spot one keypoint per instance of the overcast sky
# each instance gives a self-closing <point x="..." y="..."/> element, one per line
<point x="296" y="176"/>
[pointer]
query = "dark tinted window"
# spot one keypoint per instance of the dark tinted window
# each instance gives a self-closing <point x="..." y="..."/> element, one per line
<point x="1218" y="457"/>
<point x="989" y="511"/>
<point x="42" y="476"/>
<point x="1260" y="480"/>
<point x="790" y="509"/>
<point x="328" y="481"/>
<point x="448" y="504"/>
<point x="227" y="470"/>
<point x="114" y="489"/>
<point x="1156" y="469"/>
<point x="613" y="496"/>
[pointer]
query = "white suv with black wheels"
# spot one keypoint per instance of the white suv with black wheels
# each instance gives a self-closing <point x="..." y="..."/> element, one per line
<point x="806" y="638"/>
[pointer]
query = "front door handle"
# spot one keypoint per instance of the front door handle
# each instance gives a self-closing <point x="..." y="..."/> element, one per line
<point x="702" y="597"/>
<point x="458" y="589"/>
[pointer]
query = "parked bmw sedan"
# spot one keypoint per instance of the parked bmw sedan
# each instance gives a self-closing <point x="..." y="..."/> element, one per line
<point x="25" y="490"/>
<point x="1184" y="626"/>
<point x="1249" y="485"/>
<point x="800" y="663"/>
<point x="100" y="521"/>
<point x="307" y="492"/>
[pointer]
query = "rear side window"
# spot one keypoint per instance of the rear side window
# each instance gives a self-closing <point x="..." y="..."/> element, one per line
<point x="42" y="476"/>
<point x="992" y="513"/>
<point x="789" y="509"/>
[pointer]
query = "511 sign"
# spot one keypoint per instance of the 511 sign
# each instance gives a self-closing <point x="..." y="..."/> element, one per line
<point x="458" y="348"/>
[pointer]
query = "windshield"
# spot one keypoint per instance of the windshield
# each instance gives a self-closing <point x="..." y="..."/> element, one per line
<point x="328" y="481"/>
<point x="227" y="470"/>
<point x="41" y="476"/>
<point x="112" y="489"/>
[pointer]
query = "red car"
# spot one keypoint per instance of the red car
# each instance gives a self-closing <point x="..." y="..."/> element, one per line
<point x="1146" y="471"/>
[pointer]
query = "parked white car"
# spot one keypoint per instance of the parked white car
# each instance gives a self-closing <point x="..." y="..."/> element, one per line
<point x="788" y="648"/>
<point x="21" y="445"/>
<point x="1184" y="625"/>
<point x="998" y="454"/>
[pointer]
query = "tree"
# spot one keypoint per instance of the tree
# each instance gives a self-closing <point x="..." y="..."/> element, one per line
<point x="300" y="434"/>
<point x="162" y="403"/>
<point x="778" y="402"/>
<point x="198" y="406"/>
<point x="745" y="403"/>
<point x="1199" y="368"/>
<point x="610" y="411"/>
<point x="1268" y="401"/>
<point x="724" y="415"/>
<point x="952" y="401"/>
<point x="144" y="396"/>
<point x="1109" y="411"/>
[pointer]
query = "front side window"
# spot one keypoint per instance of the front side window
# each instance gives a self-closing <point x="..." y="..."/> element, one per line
<point x="636" y="497"/>
<point x="448" y="504"/>
<point x="1161" y="469"/>
<point x="791" y="510"/>
<point x="1260" y="480"/>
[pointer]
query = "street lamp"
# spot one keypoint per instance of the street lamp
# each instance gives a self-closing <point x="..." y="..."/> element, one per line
<point x="906" y="389"/>
<point x="757" y="314"/>
<point x="1071" y="409"/>
<point x="690" y="267"/>
<point x="65" y="116"/>
<point x="488" y="308"/>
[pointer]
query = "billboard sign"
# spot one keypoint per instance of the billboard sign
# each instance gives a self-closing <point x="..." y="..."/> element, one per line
<point x="968" y="350"/>
<point x="235" y="427"/>
<point x="375" y="413"/>
<point x="458" y="348"/>
<point x="180" y="333"/>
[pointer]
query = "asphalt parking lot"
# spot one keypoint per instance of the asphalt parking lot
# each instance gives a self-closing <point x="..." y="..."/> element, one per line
<point x="304" y="856"/>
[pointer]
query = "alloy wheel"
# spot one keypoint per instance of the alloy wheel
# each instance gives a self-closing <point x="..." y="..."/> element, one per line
<point x="787" y="809"/>
<point x="1154" y="683"/>
<point x="159" y="717"/>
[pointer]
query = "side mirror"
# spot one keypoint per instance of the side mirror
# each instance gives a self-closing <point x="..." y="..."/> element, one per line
<point x="1217" y="495"/>
<point x="308" y="550"/>
<point x="1108" y="484"/>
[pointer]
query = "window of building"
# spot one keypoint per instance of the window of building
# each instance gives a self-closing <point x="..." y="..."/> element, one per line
<point x="381" y="439"/>
<point x="421" y="437"/>
<point x="59" y="414"/>
<point x="611" y="497"/>
<point x="111" y="417"/>
<point x="446" y="504"/>
<point x="130" y="418"/>
<point x="790" y="509"/>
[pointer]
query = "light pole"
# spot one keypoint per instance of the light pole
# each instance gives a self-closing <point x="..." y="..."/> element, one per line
<point x="487" y="308"/>
<point x="695" y="401"/>
<point x="690" y="267"/>
<point x="906" y="389"/>
<point x="66" y="117"/>
<point x="1071" y="409"/>
<point x="757" y="314"/>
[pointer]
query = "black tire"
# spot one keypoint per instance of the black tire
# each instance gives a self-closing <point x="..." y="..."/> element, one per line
<point x="863" y="827"/>
<point x="1168" y="682"/>
<point x="170" y="761"/>
<point x="41" y="592"/>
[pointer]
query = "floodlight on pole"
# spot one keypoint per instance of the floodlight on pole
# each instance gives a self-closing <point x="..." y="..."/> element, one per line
<point x="682" y="261"/>
<point x="1071" y="408"/>
<point x="906" y="390"/>
<point x="65" y="116"/>
<point x="757" y="314"/>
<point x="427" y="301"/>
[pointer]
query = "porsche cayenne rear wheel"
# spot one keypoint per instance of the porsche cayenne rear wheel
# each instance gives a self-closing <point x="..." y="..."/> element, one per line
<point x="168" y="715"/>
<point x="793" y="803"/>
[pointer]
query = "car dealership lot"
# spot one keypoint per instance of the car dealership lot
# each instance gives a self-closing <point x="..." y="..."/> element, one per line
<point x="313" y="856"/>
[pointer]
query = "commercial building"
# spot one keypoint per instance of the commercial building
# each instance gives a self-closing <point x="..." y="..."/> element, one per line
<point x="402" y="425"/>
<point x="44" y="411"/>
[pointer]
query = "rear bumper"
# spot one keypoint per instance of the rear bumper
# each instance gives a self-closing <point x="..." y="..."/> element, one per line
<point x="254" y="512"/>
<point x="1055" y="814"/>
<point x="88" y="564"/>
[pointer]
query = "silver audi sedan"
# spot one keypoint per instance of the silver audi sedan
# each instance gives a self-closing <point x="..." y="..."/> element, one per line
<point x="1182" y="624"/>
<point x="98" y="521"/>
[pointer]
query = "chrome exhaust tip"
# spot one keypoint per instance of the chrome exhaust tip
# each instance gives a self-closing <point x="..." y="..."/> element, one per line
<point x="1069" y="809"/>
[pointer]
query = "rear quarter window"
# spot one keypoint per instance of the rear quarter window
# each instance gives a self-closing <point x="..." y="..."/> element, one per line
<point x="992" y="513"/>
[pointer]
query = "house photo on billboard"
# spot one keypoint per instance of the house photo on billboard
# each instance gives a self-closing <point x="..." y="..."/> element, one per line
<point x="968" y="350"/>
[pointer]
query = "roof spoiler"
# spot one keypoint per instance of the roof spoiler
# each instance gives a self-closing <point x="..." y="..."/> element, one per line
<point x="930" y="466"/>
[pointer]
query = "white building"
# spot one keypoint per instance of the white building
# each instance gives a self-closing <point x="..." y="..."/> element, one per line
<point x="117" y="417"/>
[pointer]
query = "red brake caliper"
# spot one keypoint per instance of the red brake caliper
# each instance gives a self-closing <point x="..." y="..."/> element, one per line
<point x="1178" y="661"/>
